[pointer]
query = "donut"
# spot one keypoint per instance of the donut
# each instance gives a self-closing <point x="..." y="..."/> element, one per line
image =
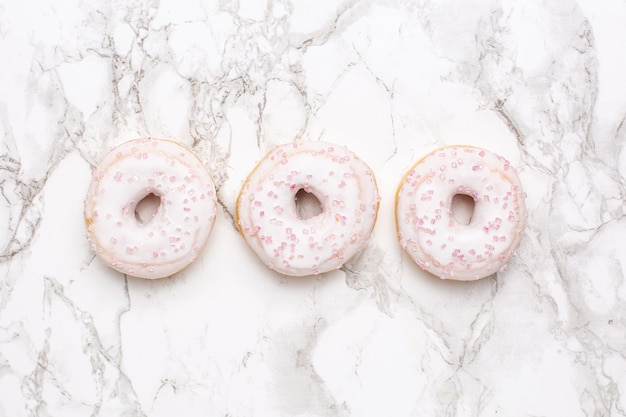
<point x="133" y="176"/>
<point x="340" y="192"/>
<point x="436" y="237"/>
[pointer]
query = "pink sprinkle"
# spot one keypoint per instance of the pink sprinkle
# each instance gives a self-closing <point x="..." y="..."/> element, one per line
<point x="172" y="179"/>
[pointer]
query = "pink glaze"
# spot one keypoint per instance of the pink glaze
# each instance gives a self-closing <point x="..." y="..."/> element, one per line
<point x="174" y="236"/>
<point x="268" y="218"/>
<point x="427" y="229"/>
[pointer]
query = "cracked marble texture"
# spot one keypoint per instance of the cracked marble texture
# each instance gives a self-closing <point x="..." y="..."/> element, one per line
<point x="538" y="82"/>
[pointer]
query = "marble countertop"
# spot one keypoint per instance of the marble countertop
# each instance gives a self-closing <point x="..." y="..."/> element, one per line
<point x="541" y="83"/>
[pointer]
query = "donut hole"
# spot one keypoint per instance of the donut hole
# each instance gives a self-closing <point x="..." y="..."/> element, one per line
<point x="307" y="205"/>
<point x="462" y="208"/>
<point x="147" y="208"/>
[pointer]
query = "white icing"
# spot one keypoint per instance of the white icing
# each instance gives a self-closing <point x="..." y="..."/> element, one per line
<point x="181" y="225"/>
<point x="268" y="218"/>
<point x="427" y="229"/>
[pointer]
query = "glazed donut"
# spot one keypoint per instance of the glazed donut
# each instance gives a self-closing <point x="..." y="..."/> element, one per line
<point x="166" y="242"/>
<point x="291" y="242"/>
<point x="429" y="231"/>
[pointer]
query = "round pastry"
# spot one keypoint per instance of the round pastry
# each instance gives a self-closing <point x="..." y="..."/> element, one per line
<point x="150" y="208"/>
<point x="429" y="205"/>
<point x="308" y="207"/>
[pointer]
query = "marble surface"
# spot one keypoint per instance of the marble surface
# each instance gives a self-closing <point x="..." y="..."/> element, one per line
<point x="540" y="82"/>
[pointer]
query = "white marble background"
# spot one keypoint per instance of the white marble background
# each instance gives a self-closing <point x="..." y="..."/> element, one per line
<point x="540" y="82"/>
